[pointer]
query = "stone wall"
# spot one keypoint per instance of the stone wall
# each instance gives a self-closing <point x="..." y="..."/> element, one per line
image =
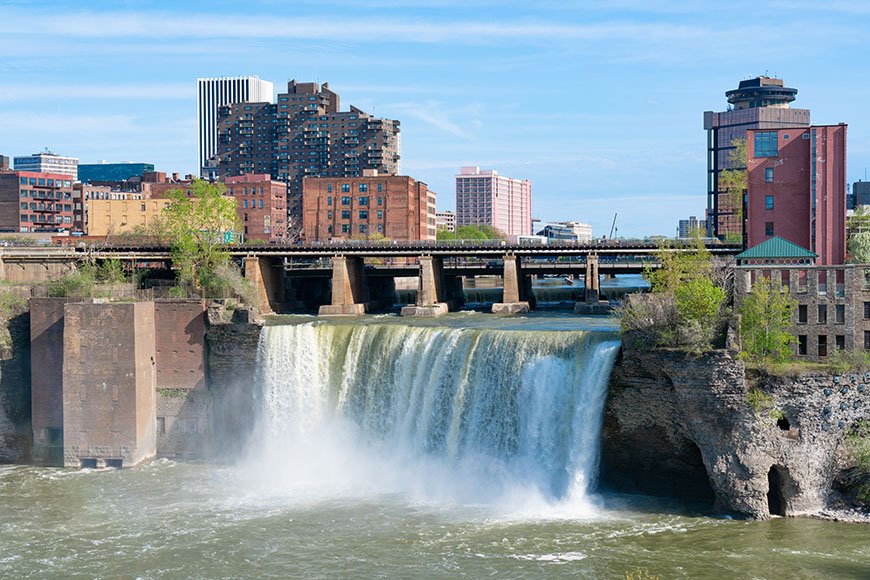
<point x="15" y="430"/>
<point x="180" y="343"/>
<point x="683" y="426"/>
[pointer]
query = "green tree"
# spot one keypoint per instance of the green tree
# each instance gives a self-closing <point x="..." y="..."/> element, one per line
<point x="679" y="264"/>
<point x="197" y="226"/>
<point x="765" y="318"/>
<point x="477" y="232"/>
<point x="735" y="181"/>
<point x="858" y="248"/>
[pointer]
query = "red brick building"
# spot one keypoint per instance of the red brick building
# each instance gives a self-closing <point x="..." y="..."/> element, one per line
<point x="797" y="189"/>
<point x="261" y="205"/>
<point x="36" y="202"/>
<point x="394" y="206"/>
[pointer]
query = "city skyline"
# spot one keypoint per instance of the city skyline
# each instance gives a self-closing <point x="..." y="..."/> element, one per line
<point x="600" y="108"/>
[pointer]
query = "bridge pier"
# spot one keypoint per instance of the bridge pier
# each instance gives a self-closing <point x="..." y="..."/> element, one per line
<point x="518" y="297"/>
<point x="430" y="289"/>
<point x="268" y="282"/>
<point x="592" y="293"/>
<point x="348" y="288"/>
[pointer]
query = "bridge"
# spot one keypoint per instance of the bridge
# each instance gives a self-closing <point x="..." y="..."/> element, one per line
<point x="350" y="278"/>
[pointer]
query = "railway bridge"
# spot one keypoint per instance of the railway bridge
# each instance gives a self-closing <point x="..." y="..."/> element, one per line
<point x="350" y="278"/>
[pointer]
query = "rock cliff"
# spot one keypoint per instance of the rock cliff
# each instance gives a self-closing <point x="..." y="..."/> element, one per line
<point x="685" y="426"/>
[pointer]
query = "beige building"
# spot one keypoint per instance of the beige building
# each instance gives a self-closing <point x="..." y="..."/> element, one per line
<point x="115" y="216"/>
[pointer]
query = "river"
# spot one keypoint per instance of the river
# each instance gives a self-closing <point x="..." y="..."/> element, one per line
<point x="465" y="446"/>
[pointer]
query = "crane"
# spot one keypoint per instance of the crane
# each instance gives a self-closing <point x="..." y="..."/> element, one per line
<point x="613" y="226"/>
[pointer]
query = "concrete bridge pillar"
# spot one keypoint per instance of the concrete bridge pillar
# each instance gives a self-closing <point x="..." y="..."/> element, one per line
<point x="592" y="280"/>
<point x="431" y="293"/>
<point x="515" y="299"/>
<point x="268" y="281"/>
<point x="348" y="288"/>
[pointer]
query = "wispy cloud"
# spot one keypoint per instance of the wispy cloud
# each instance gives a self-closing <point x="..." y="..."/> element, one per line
<point x="432" y="113"/>
<point x="27" y="93"/>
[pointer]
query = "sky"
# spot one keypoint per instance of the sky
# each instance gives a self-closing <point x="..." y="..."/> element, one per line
<point x="598" y="102"/>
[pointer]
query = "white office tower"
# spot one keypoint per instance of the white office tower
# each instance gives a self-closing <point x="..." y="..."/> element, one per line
<point x="49" y="162"/>
<point x="214" y="93"/>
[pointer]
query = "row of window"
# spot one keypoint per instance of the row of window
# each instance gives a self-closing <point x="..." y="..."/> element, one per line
<point x="362" y="200"/>
<point x="363" y="187"/>
<point x="43" y="206"/>
<point x="363" y="214"/>
<point x="46" y="219"/>
<point x="45" y="194"/>
<point x="822" y="313"/>
<point x="822" y="343"/>
<point x="253" y="203"/>
<point x="363" y="229"/>
<point x="43" y="181"/>
<point x="245" y="191"/>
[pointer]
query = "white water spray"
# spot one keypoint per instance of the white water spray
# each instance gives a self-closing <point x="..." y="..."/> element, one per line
<point x="471" y="416"/>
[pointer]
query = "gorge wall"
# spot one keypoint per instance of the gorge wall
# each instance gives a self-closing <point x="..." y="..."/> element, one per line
<point x="683" y="426"/>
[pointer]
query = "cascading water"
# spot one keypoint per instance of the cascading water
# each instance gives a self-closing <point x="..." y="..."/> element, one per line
<point x="468" y="415"/>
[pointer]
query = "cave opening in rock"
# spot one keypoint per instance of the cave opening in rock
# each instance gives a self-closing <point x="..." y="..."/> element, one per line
<point x="783" y="424"/>
<point x="775" y="496"/>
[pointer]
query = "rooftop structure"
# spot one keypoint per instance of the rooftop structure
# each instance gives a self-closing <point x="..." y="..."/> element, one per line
<point x="48" y="163"/>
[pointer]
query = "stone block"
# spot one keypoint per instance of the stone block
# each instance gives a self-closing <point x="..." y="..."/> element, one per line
<point x="432" y="311"/>
<point x="342" y="310"/>
<point x="510" y="308"/>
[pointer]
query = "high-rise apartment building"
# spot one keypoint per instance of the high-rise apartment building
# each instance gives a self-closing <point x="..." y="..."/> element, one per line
<point x="860" y="194"/>
<point x="212" y="93"/>
<point x="394" y="206"/>
<point x="687" y="228"/>
<point x="797" y="189"/>
<point x="483" y="197"/>
<point x="305" y="134"/>
<point x="48" y="163"/>
<point x="758" y="103"/>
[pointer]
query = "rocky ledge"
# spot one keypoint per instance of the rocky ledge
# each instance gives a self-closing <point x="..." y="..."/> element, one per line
<point x="698" y="428"/>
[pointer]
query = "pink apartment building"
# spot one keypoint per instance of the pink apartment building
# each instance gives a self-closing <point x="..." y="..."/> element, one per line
<point x="797" y="188"/>
<point x="483" y="197"/>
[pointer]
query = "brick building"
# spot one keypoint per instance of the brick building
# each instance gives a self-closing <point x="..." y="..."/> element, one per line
<point x="483" y="197"/>
<point x="261" y="203"/>
<point x="758" y="103"/>
<point x="797" y="189"/>
<point x="304" y="134"/>
<point x="394" y="206"/>
<point x="36" y="202"/>
<point x="116" y="216"/>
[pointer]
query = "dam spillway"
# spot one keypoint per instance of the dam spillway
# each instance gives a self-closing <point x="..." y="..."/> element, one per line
<point x="482" y="413"/>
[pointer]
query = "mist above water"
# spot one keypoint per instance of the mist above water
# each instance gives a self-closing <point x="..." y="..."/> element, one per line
<point x="503" y="419"/>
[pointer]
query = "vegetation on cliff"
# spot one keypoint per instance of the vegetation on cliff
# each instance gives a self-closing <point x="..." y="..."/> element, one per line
<point x="687" y="305"/>
<point x="765" y="318"/>
<point x="858" y="446"/>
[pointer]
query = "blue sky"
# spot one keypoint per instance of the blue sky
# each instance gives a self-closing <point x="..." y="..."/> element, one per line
<point x="598" y="102"/>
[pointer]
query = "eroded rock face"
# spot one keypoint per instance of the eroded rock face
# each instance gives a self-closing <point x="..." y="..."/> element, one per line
<point x="680" y="425"/>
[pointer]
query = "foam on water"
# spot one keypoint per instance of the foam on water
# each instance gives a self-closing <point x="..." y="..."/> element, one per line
<point x="503" y="419"/>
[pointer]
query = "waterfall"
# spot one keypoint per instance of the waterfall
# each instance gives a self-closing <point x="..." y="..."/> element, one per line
<point x="473" y="414"/>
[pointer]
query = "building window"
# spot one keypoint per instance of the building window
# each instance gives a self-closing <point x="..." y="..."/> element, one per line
<point x="329" y="229"/>
<point x="768" y="202"/>
<point x="380" y="214"/>
<point x="345" y="187"/>
<point x="802" y="344"/>
<point x="380" y="200"/>
<point x="363" y="187"/>
<point x="345" y="214"/>
<point x="380" y="187"/>
<point x="840" y="342"/>
<point x="328" y="188"/>
<point x="329" y="215"/>
<point x="768" y="228"/>
<point x="345" y="200"/>
<point x="867" y="340"/>
<point x="765" y="144"/>
<point x="823" y="345"/>
<point x="802" y="314"/>
<point x="823" y="314"/>
<point x="866" y="310"/>
<point x="380" y="228"/>
<point x="24" y="181"/>
<point x="768" y="174"/>
<point x="363" y="229"/>
<point x="245" y="204"/>
<point x="345" y="228"/>
<point x="329" y="200"/>
<point x="141" y="207"/>
<point x="261" y="204"/>
<point x="840" y="314"/>
<point x="363" y="201"/>
<point x="363" y="214"/>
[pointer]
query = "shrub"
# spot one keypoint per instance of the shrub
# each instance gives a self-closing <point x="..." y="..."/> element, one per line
<point x="78" y="283"/>
<point x="765" y="318"/>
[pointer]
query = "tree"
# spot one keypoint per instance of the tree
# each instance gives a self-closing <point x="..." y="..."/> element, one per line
<point x="858" y="236"/>
<point x="198" y="226"/>
<point x="477" y="232"/>
<point x="735" y="180"/>
<point x="678" y="266"/>
<point x="765" y="318"/>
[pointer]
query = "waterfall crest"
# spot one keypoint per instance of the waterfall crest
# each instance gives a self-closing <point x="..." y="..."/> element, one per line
<point x="474" y="414"/>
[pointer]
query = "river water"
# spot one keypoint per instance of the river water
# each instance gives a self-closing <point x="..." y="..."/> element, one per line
<point x="465" y="446"/>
